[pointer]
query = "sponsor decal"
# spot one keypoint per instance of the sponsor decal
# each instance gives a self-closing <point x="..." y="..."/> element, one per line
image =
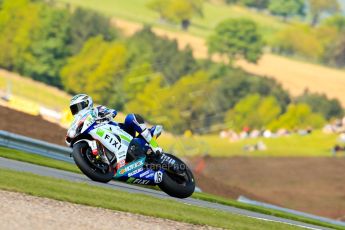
<point x="100" y="132"/>
<point x="130" y="180"/>
<point x="150" y="175"/>
<point x="122" y="153"/>
<point x="130" y="167"/>
<point x="144" y="173"/>
<point x="140" y="181"/>
<point x="168" y="159"/>
<point x="158" y="177"/>
<point x="125" y="138"/>
<point x="135" y="172"/>
<point x="89" y="118"/>
<point x="134" y="166"/>
<point x="113" y="141"/>
<point x="99" y="125"/>
<point x="120" y="164"/>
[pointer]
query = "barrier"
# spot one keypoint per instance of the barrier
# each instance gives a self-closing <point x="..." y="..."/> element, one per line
<point x="245" y="200"/>
<point x="31" y="145"/>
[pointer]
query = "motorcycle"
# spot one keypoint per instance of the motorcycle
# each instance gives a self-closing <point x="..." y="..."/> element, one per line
<point x="103" y="151"/>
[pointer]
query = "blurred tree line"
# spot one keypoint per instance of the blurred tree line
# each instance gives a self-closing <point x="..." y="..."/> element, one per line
<point x="78" y="51"/>
<point x="322" y="40"/>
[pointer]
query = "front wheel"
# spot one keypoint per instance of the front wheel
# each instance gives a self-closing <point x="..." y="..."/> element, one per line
<point x="93" y="168"/>
<point x="180" y="185"/>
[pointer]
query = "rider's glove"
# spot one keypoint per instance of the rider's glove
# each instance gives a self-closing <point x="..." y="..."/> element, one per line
<point x="104" y="112"/>
<point x="109" y="116"/>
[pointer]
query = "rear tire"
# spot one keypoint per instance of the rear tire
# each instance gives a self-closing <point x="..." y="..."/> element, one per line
<point x="176" y="186"/>
<point x="79" y="155"/>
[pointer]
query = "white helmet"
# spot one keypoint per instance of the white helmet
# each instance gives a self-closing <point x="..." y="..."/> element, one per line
<point x="80" y="102"/>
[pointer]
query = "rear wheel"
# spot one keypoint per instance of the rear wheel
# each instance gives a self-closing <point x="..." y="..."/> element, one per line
<point x="93" y="168"/>
<point x="181" y="185"/>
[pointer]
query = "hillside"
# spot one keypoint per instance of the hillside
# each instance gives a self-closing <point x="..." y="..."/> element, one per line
<point x="295" y="76"/>
<point x="34" y="91"/>
<point x="137" y="11"/>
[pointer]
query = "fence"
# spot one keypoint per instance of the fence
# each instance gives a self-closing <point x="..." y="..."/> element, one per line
<point x="27" y="144"/>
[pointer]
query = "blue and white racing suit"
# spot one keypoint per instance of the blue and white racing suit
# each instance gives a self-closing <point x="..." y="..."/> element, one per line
<point x="133" y="124"/>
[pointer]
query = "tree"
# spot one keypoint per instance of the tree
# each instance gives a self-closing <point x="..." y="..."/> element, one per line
<point x="286" y="8"/>
<point x="75" y="73"/>
<point x="299" y="40"/>
<point x="97" y="70"/>
<point x="298" y="116"/>
<point x="134" y="82"/>
<point x="188" y="96"/>
<point x="319" y="103"/>
<point x="335" y="54"/>
<point x="232" y="1"/>
<point x="336" y="21"/>
<point x="235" y="84"/>
<point x="237" y="38"/>
<point x="318" y="7"/>
<point x="148" y="102"/>
<point x="253" y="111"/>
<point x="179" y="107"/>
<point x="86" y="23"/>
<point x="163" y="54"/>
<point x="259" y="4"/>
<point x="48" y="50"/>
<point x="160" y="7"/>
<point x="104" y="82"/>
<point x="179" y="11"/>
<point x="18" y="21"/>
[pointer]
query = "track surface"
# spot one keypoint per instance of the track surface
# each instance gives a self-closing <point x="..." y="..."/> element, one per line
<point x="60" y="174"/>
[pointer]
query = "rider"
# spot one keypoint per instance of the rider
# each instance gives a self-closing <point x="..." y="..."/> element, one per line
<point x="133" y="122"/>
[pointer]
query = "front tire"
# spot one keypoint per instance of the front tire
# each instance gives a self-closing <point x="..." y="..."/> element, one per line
<point x="80" y="151"/>
<point x="176" y="185"/>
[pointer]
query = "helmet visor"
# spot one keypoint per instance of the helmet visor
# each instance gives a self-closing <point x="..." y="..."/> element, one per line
<point x="78" y="107"/>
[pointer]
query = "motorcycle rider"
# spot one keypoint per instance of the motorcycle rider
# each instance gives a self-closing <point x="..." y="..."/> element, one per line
<point x="133" y="124"/>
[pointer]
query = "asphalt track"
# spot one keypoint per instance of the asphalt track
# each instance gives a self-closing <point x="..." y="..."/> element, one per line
<point x="60" y="174"/>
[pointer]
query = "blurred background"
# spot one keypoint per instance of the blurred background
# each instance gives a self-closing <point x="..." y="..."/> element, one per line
<point x="250" y="92"/>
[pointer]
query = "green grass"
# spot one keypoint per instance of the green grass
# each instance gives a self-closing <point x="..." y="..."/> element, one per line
<point x="35" y="91"/>
<point x="116" y="200"/>
<point x="315" y="145"/>
<point x="137" y="11"/>
<point x="229" y="202"/>
<point x="44" y="161"/>
<point x="37" y="159"/>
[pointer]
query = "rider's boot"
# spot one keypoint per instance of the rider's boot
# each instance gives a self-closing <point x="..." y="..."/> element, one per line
<point x="157" y="156"/>
<point x="156" y="131"/>
<point x="150" y="135"/>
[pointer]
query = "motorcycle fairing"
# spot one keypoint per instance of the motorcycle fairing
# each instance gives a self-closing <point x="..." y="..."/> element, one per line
<point x="136" y="173"/>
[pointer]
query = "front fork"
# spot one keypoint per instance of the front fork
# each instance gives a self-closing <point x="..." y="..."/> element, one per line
<point x="95" y="150"/>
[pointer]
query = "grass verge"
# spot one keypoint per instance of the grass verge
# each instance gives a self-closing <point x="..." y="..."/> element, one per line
<point x="44" y="161"/>
<point x="317" y="144"/>
<point x="37" y="159"/>
<point x="271" y="212"/>
<point x="85" y="194"/>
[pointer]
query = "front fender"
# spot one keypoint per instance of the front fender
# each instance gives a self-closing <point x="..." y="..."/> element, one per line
<point x="89" y="142"/>
<point x="83" y="137"/>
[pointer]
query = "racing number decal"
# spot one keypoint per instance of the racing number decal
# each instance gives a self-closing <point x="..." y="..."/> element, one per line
<point x="158" y="177"/>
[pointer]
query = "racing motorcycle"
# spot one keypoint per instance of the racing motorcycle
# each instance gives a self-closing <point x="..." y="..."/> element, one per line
<point x="103" y="151"/>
